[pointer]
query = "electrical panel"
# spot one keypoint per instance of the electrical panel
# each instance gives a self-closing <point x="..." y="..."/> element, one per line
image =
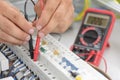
<point x="55" y="62"/>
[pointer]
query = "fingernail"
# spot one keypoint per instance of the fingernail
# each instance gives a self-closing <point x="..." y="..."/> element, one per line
<point x="39" y="27"/>
<point x="27" y="38"/>
<point x="41" y="35"/>
<point x="31" y="31"/>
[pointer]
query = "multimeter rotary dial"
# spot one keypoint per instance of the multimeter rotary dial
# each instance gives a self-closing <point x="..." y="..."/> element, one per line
<point x="90" y="36"/>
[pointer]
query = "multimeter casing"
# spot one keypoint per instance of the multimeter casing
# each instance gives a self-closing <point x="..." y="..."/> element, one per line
<point x="93" y="34"/>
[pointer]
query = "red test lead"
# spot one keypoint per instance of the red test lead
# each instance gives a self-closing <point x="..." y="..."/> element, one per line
<point x="36" y="50"/>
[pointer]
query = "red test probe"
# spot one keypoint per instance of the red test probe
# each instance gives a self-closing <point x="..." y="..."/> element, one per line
<point x="37" y="45"/>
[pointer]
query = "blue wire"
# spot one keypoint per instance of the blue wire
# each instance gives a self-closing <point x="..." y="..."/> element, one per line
<point x="15" y="78"/>
<point x="32" y="77"/>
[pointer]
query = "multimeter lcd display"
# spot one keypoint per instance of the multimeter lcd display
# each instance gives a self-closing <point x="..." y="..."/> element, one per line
<point x="97" y="20"/>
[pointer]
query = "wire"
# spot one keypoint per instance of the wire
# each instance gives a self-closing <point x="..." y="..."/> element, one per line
<point x="36" y="50"/>
<point x="26" y="16"/>
<point x="25" y="10"/>
<point x="33" y="52"/>
<point x="105" y="63"/>
<point x="90" y="55"/>
<point x="81" y="14"/>
<point x="117" y="1"/>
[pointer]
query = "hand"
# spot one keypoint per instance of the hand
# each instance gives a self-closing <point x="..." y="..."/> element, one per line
<point x="56" y="16"/>
<point x="14" y="28"/>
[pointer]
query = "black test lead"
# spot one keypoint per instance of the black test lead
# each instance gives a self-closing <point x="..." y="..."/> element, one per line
<point x="31" y="40"/>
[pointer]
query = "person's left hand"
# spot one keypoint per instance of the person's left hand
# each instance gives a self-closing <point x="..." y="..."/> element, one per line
<point x="56" y="16"/>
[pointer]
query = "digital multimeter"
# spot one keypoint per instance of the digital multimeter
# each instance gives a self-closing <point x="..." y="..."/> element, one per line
<point x="93" y="35"/>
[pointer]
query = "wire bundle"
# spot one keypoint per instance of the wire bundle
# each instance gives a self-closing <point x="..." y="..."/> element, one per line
<point x="17" y="69"/>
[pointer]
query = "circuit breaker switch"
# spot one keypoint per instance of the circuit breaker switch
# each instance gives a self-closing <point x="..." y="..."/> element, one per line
<point x="56" y="52"/>
<point x="4" y="63"/>
<point x="44" y="42"/>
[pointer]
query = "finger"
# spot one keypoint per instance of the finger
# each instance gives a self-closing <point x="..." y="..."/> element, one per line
<point x="38" y="8"/>
<point x="18" y="19"/>
<point x="56" y="18"/>
<point x="11" y="29"/>
<point x="9" y="39"/>
<point x="5" y="4"/>
<point x="2" y="41"/>
<point x="48" y="11"/>
<point x="47" y="29"/>
<point x="65" y="22"/>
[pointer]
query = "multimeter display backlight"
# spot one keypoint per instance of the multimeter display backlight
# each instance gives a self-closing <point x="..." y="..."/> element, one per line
<point x="97" y="20"/>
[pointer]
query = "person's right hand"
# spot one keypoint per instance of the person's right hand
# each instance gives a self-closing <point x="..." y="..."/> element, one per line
<point x="14" y="28"/>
